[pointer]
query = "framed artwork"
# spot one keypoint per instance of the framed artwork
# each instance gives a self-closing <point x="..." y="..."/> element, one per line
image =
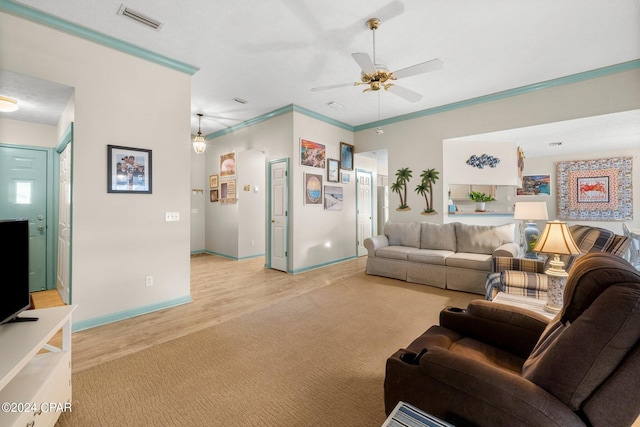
<point x="228" y="192"/>
<point x="346" y="156"/>
<point x="128" y="170"/>
<point x="345" y="178"/>
<point x="595" y="190"/>
<point x="228" y="164"/>
<point x="535" y="185"/>
<point x="333" y="170"/>
<point x="213" y="195"/>
<point x="312" y="189"/>
<point x="332" y="198"/>
<point x="213" y="181"/>
<point x="312" y="154"/>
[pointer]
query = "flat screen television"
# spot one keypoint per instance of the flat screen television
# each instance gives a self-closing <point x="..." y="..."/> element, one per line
<point x="14" y="268"/>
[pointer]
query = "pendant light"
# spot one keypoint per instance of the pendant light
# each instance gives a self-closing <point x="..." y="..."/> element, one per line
<point x="199" y="144"/>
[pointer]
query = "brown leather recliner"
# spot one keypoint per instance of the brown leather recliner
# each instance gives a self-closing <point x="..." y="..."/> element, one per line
<point x="497" y="365"/>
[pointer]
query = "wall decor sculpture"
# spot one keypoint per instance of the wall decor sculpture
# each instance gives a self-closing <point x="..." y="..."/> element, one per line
<point x="484" y="160"/>
<point x="595" y="190"/>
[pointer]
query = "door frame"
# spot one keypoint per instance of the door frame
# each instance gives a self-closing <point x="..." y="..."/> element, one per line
<point x="51" y="211"/>
<point x="373" y="202"/>
<point x="270" y="163"/>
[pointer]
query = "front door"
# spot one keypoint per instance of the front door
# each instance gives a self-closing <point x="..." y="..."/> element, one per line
<point x="278" y="201"/>
<point x="23" y="194"/>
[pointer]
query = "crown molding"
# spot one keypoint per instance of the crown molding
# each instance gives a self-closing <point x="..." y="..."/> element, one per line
<point x="39" y="17"/>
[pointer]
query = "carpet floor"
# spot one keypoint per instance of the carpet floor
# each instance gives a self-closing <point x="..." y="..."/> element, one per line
<point x="315" y="360"/>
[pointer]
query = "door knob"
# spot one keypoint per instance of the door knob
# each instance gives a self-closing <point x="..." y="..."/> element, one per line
<point x="40" y="227"/>
<point x="273" y="220"/>
<point x="40" y="217"/>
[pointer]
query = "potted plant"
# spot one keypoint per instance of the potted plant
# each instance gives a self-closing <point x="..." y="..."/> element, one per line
<point x="400" y="186"/>
<point x="429" y="177"/>
<point x="480" y="199"/>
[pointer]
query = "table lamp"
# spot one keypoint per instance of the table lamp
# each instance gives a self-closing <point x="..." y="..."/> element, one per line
<point x="530" y="211"/>
<point x="556" y="239"/>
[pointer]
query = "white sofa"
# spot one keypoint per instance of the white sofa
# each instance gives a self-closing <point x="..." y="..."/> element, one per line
<point x="450" y="256"/>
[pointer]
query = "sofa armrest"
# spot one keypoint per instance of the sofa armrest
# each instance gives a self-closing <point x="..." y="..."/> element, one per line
<point x="509" y="250"/>
<point x="510" y="328"/>
<point x="464" y="387"/>
<point x="372" y="244"/>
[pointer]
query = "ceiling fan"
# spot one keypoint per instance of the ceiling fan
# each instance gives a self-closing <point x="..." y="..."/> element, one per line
<point x="376" y="76"/>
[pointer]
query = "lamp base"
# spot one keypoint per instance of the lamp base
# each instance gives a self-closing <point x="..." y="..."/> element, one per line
<point x="531" y="235"/>
<point x="557" y="279"/>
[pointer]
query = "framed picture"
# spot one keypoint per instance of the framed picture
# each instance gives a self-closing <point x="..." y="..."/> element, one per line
<point x="228" y="164"/>
<point x="128" y="170"/>
<point x="535" y="185"/>
<point x="312" y="154"/>
<point x="345" y="178"/>
<point x="312" y="189"/>
<point x="213" y="181"/>
<point x="333" y="170"/>
<point x="595" y="190"/>
<point x="228" y="192"/>
<point x="213" y="195"/>
<point x="346" y="156"/>
<point x="332" y="198"/>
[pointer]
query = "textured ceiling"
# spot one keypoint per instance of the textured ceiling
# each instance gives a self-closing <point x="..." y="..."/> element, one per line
<point x="271" y="53"/>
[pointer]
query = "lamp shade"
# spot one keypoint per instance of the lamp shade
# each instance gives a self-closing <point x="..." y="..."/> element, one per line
<point x="556" y="239"/>
<point x="530" y="211"/>
<point x="199" y="144"/>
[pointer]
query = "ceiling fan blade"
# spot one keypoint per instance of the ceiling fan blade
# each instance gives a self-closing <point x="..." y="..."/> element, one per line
<point x="365" y="62"/>
<point x="316" y="89"/>
<point x="405" y="93"/>
<point x="424" y="67"/>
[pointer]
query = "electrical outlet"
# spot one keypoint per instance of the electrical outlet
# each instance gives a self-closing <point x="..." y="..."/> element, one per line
<point x="148" y="281"/>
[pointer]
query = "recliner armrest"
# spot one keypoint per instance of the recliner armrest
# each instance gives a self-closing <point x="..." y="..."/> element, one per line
<point x="513" y="329"/>
<point x="372" y="244"/>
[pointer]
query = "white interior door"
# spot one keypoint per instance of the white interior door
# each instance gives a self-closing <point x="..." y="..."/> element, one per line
<point x="63" y="279"/>
<point x="279" y="212"/>
<point x="365" y="208"/>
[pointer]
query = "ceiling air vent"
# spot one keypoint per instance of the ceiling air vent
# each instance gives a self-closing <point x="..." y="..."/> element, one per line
<point x="139" y="17"/>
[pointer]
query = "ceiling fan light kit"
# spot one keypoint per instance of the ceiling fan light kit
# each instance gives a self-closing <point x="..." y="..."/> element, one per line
<point x="377" y="76"/>
<point x="8" y="105"/>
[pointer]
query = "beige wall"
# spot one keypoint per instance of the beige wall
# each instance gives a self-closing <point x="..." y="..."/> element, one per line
<point x="118" y="239"/>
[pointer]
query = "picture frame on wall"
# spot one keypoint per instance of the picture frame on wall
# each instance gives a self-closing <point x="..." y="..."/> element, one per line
<point x="312" y="189"/>
<point x="228" y="164"/>
<point x="535" y="185"/>
<point x="333" y="197"/>
<point x="128" y="170"/>
<point x="345" y="178"/>
<point x="213" y="195"/>
<point x="312" y="154"/>
<point x="346" y="156"/>
<point x="213" y="181"/>
<point x="333" y="170"/>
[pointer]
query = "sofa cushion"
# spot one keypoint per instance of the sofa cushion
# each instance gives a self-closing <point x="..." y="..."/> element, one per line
<point x="438" y="236"/>
<point x="394" y="252"/>
<point x="482" y="239"/>
<point x="470" y="260"/>
<point x="403" y="234"/>
<point x="429" y="256"/>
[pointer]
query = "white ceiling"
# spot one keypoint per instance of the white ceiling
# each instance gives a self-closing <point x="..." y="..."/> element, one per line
<point x="272" y="52"/>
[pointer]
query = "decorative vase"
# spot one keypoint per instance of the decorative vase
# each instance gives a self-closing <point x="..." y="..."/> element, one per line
<point x="531" y="234"/>
<point x="480" y="206"/>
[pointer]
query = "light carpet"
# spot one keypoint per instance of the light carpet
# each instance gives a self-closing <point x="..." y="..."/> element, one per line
<point x="315" y="360"/>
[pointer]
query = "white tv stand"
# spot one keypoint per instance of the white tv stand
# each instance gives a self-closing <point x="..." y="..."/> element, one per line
<point x="35" y="388"/>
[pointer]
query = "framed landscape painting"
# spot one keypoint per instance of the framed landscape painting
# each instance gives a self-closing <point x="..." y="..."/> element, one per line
<point x="333" y="170"/>
<point x="312" y="189"/>
<point x="312" y="154"/>
<point x="535" y="185"/>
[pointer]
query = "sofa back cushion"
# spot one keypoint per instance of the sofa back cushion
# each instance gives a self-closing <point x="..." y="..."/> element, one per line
<point x="482" y="239"/>
<point x="438" y="236"/>
<point x="403" y="234"/>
